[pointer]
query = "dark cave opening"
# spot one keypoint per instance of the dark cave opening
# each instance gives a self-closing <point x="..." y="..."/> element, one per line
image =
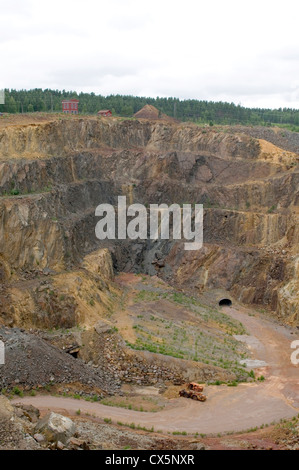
<point x="73" y="351"/>
<point x="225" y="302"/>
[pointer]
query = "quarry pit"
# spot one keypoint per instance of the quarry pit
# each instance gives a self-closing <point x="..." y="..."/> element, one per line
<point x="147" y="314"/>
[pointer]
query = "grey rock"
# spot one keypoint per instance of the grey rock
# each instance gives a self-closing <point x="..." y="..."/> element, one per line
<point x="39" y="437"/>
<point x="56" y="427"/>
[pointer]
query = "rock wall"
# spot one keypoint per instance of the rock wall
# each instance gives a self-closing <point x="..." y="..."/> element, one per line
<point x="53" y="175"/>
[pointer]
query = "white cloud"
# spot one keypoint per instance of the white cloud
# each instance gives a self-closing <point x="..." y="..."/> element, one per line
<point x="234" y="51"/>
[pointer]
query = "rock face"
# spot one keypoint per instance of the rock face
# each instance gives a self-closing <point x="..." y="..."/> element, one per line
<point x="53" y="176"/>
<point x="14" y="431"/>
<point x="288" y="299"/>
<point x="56" y="428"/>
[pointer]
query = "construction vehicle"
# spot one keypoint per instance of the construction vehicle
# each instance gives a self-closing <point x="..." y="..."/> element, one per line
<point x="195" y="386"/>
<point x="193" y="391"/>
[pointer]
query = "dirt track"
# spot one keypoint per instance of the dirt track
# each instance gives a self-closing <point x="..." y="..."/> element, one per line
<point x="227" y="408"/>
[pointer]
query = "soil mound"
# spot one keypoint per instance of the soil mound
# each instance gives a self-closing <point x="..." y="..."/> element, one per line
<point x="32" y="361"/>
<point x="150" y="112"/>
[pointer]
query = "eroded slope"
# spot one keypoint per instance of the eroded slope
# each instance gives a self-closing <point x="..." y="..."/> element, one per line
<point x="54" y="174"/>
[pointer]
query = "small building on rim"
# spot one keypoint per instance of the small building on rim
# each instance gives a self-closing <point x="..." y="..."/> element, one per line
<point x="105" y="113"/>
<point x="70" y="106"/>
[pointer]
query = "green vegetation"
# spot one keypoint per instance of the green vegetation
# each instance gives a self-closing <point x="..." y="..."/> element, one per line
<point x="232" y="384"/>
<point x="201" y="112"/>
<point x="93" y="398"/>
<point x="143" y="404"/>
<point x="290" y="425"/>
<point x="255" y="428"/>
<point x="138" y="427"/>
<point x="17" y="391"/>
<point x="204" y="334"/>
<point x="271" y="209"/>
<point x="16" y="192"/>
<point x="230" y="326"/>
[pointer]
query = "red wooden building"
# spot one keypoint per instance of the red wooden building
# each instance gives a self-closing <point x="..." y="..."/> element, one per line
<point x="70" y="106"/>
<point x="105" y="112"/>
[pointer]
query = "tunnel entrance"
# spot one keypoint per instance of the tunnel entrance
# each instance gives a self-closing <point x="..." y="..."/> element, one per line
<point x="73" y="351"/>
<point x="225" y="302"/>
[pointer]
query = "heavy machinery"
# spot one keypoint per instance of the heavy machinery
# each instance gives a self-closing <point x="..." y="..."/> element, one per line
<point x="193" y="391"/>
<point x="195" y="386"/>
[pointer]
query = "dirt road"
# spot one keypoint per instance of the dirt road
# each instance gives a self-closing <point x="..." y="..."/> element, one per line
<point x="227" y="408"/>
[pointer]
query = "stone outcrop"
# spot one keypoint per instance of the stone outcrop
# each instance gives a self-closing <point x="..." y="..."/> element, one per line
<point x="53" y="175"/>
<point x="56" y="428"/>
<point x="15" y="432"/>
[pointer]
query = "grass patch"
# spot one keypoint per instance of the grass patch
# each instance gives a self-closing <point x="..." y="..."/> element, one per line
<point x="18" y="392"/>
<point x="137" y="427"/>
<point x="143" y="404"/>
<point x="207" y="338"/>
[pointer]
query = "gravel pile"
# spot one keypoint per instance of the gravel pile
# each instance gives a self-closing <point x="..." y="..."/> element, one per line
<point x="31" y="361"/>
<point x="282" y="138"/>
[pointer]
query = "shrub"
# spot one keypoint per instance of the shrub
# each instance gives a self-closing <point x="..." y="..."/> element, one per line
<point x="14" y="192"/>
<point x="17" y="391"/>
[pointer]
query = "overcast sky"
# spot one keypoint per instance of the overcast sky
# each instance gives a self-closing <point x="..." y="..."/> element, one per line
<point x="229" y="50"/>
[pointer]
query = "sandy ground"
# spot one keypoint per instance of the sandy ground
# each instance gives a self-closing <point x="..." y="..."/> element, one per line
<point x="37" y="118"/>
<point x="227" y="408"/>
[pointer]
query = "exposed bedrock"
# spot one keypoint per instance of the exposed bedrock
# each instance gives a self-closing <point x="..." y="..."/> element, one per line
<point x="53" y="176"/>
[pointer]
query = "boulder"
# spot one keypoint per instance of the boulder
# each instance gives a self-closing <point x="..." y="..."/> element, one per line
<point x="39" y="437"/>
<point x="6" y="409"/>
<point x="29" y="411"/>
<point x="101" y="327"/>
<point x="56" y="427"/>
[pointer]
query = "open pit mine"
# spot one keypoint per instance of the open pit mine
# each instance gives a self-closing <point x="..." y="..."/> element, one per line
<point x="106" y="333"/>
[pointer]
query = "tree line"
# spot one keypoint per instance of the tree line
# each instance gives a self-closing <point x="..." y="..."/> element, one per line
<point x="201" y="111"/>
